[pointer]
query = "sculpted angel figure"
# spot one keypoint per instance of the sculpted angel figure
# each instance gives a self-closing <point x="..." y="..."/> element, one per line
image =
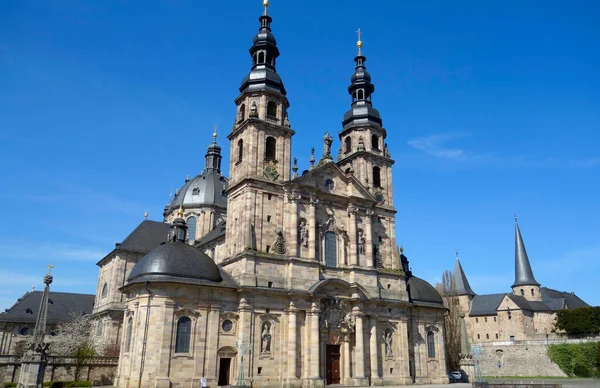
<point x="361" y="242"/>
<point x="303" y="233"/>
<point x="387" y="338"/>
<point x="328" y="140"/>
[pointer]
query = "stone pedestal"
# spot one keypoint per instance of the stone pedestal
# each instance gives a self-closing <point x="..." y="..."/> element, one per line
<point x="32" y="371"/>
<point x="467" y="364"/>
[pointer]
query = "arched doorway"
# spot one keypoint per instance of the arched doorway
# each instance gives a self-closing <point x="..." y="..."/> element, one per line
<point x="226" y="365"/>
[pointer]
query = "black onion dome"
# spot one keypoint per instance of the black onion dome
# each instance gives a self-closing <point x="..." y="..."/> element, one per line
<point x="421" y="291"/>
<point x="174" y="262"/>
<point x="361" y="89"/>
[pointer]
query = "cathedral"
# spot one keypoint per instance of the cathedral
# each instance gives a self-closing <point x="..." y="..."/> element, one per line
<point x="270" y="277"/>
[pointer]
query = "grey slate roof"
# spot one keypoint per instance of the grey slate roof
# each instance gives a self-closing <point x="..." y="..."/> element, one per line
<point x="60" y="307"/>
<point x="147" y="236"/>
<point x="460" y="280"/>
<point x="569" y="299"/>
<point x="207" y="189"/>
<point x="523" y="272"/>
<point x="217" y="232"/>
<point x="421" y="291"/>
<point x="485" y="304"/>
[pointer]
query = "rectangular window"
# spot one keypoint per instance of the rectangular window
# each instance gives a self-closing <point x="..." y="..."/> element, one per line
<point x="330" y="249"/>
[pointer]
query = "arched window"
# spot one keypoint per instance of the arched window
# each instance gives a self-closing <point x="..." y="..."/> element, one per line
<point x="191" y="224"/>
<point x="99" y="329"/>
<point x="261" y="57"/>
<point x="270" y="146"/>
<point x="240" y="150"/>
<point x="522" y="292"/>
<point x="129" y="333"/>
<point x="430" y="344"/>
<point x="182" y="338"/>
<point x="242" y="115"/>
<point x="330" y="249"/>
<point x="272" y="109"/>
<point x="360" y="94"/>
<point x="532" y="292"/>
<point x="375" y="142"/>
<point x="348" y="143"/>
<point x="376" y="176"/>
<point x="104" y="290"/>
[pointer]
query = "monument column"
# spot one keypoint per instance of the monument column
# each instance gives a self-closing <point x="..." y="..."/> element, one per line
<point x="359" y="350"/>
<point x="369" y="238"/>
<point x="352" y="210"/>
<point x="312" y="224"/>
<point x="374" y="350"/>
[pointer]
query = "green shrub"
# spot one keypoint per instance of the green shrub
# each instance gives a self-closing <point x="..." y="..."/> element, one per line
<point x="71" y="384"/>
<point x="582" y="321"/>
<point x="576" y="359"/>
<point x="57" y="384"/>
<point x="9" y="385"/>
<point x="47" y="383"/>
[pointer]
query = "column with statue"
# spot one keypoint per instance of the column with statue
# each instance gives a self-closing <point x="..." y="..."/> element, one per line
<point x="33" y="363"/>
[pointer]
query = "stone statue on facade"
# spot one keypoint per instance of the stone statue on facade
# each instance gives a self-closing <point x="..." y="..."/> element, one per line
<point x="265" y="346"/>
<point x="378" y="259"/>
<point x="279" y="244"/>
<point x="286" y="121"/>
<point x="386" y="151"/>
<point x="328" y="140"/>
<point x="387" y="339"/>
<point x="303" y="233"/>
<point x="361" y="242"/>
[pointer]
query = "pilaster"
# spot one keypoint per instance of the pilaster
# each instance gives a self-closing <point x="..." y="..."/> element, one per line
<point x="359" y="351"/>
<point x="374" y="352"/>
<point x="312" y="224"/>
<point x="369" y="238"/>
<point x="352" y="210"/>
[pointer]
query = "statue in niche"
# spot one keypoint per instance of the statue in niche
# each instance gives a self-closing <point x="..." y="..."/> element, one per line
<point x="303" y="233"/>
<point x="253" y="110"/>
<point x="378" y="259"/>
<point x="387" y="339"/>
<point x="265" y="346"/>
<point x="279" y="244"/>
<point x="362" y="240"/>
<point x="328" y="140"/>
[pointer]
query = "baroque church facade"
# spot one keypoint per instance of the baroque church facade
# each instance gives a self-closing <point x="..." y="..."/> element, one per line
<point x="526" y="313"/>
<point x="272" y="278"/>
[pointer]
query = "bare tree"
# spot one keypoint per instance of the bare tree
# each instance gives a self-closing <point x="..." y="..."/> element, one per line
<point x="447" y="289"/>
<point x="75" y="339"/>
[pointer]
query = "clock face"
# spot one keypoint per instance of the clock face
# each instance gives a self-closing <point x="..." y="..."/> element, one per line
<point x="329" y="185"/>
<point x="379" y="196"/>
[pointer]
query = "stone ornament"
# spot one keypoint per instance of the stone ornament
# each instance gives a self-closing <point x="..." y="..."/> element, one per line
<point x="352" y="209"/>
<point x="279" y="244"/>
<point x="386" y="151"/>
<point x="270" y="171"/>
<point x="327" y="140"/>
<point x="334" y="316"/>
<point x="253" y="110"/>
<point x="286" y="121"/>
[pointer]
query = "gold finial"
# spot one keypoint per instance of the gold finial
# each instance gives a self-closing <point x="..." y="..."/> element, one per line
<point x="215" y="127"/>
<point x="266" y="5"/>
<point x="146" y="215"/>
<point x="50" y="268"/>
<point x="180" y="211"/>
<point x="359" y="43"/>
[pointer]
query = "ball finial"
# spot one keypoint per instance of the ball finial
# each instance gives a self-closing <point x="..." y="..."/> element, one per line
<point x="180" y="211"/>
<point x="266" y="3"/>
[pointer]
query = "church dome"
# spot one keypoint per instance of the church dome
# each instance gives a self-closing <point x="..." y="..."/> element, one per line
<point x="175" y="262"/>
<point x="421" y="291"/>
<point x="207" y="189"/>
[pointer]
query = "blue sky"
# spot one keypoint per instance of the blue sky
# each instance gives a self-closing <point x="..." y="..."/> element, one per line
<point x="491" y="109"/>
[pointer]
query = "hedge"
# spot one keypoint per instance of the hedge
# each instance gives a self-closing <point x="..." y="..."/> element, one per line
<point x="580" y="360"/>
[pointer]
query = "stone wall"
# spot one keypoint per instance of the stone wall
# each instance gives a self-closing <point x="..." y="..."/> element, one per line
<point x="520" y="358"/>
<point x="100" y="370"/>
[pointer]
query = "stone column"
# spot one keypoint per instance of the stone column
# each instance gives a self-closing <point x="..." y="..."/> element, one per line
<point x="245" y="332"/>
<point x="314" y="375"/>
<point x="212" y="339"/>
<point x="292" y="347"/>
<point x="369" y="238"/>
<point x="346" y="345"/>
<point x="359" y="350"/>
<point x="293" y="224"/>
<point x="352" y="210"/>
<point x="312" y="224"/>
<point x="374" y="350"/>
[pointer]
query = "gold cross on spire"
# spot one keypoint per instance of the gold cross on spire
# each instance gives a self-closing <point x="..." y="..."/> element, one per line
<point x="359" y="42"/>
<point x="50" y="268"/>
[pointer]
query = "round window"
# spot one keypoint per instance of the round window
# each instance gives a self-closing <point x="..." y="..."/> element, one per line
<point x="24" y="331"/>
<point x="329" y="185"/>
<point x="227" y="325"/>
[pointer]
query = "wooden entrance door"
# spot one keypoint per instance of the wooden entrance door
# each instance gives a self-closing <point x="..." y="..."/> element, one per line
<point x="332" y="359"/>
<point x="224" y="369"/>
